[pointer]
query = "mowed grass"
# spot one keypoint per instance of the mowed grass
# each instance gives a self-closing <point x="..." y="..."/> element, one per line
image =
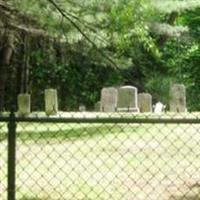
<point x="104" y="161"/>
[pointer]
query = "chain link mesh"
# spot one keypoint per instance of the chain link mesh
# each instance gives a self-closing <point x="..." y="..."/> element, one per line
<point x="97" y="161"/>
<point x="3" y="159"/>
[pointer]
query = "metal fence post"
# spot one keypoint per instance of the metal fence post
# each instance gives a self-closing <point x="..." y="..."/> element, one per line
<point x="11" y="156"/>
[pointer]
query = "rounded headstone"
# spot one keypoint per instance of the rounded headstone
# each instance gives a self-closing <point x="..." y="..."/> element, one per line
<point x="145" y="102"/>
<point x="51" y="102"/>
<point x="97" y="106"/>
<point x="127" y="99"/>
<point x="159" y="108"/>
<point x="82" y="108"/>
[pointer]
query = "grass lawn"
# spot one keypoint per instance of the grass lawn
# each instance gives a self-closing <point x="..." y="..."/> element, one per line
<point x="104" y="161"/>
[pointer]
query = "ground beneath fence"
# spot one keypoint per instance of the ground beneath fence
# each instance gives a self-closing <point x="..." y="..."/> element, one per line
<point x="130" y="162"/>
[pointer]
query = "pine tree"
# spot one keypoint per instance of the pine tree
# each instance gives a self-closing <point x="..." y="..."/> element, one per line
<point x="170" y="10"/>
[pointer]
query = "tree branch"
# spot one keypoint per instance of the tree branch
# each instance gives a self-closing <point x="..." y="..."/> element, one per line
<point x="171" y="21"/>
<point x="63" y="14"/>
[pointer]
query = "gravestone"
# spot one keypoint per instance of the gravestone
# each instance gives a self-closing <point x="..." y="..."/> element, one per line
<point x="159" y="108"/>
<point x="24" y="104"/>
<point x="145" y="102"/>
<point x="82" y="108"/>
<point x="51" y="102"/>
<point x="108" y="99"/>
<point x="127" y="99"/>
<point x="97" y="106"/>
<point x="178" y="98"/>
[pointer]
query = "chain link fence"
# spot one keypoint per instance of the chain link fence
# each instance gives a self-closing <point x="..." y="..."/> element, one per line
<point x="90" y="157"/>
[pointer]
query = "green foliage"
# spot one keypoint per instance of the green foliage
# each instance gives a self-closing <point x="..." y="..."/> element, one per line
<point x="182" y="57"/>
<point x="127" y="31"/>
<point x="159" y="86"/>
<point x="78" y="79"/>
<point x="129" y="25"/>
<point x="169" y="6"/>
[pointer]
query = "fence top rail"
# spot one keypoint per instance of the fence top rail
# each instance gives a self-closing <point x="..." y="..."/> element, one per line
<point x="119" y="119"/>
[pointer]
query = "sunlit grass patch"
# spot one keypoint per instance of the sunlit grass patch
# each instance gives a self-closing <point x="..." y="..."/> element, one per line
<point x="105" y="161"/>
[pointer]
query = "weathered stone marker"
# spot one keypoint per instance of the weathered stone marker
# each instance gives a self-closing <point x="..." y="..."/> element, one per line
<point x="127" y="99"/>
<point x="108" y="99"/>
<point x="97" y="106"/>
<point x="178" y="98"/>
<point x="145" y="102"/>
<point x="24" y="104"/>
<point x="82" y="108"/>
<point x="51" y="102"/>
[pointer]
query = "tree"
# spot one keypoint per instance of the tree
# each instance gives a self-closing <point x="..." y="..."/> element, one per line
<point x="6" y="52"/>
<point x="138" y="42"/>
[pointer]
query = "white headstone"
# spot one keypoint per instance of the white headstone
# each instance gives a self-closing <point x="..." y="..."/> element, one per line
<point x="127" y="99"/>
<point x="159" y="108"/>
<point x="178" y="98"/>
<point x="145" y="102"/>
<point x="108" y="99"/>
<point x="24" y="104"/>
<point x="51" y="102"/>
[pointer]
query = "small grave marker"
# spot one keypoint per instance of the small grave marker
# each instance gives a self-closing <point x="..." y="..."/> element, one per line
<point x="24" y="104"/>
<point x="51" y="102"/>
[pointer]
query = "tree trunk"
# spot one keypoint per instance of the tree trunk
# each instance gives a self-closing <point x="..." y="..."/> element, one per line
<point x="5" y="58"/>
<point x="23" y="67"/>
<point x="171" y="21"/>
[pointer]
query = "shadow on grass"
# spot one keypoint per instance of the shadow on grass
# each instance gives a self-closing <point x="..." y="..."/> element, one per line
<point x="76" y="133"/>
<point x="32" y="199"/>
<point x="191" y="197"/>
<point x="3" y="136"/>
<point x="187" y="196"/>
<point x="35" y="198"/>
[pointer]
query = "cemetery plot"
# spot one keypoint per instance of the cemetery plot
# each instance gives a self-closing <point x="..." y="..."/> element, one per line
<point x="114" y="99"/>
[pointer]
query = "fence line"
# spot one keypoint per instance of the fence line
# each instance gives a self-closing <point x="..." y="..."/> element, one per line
<point x="13" y="120"/>
<point x="126" y="120"/>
